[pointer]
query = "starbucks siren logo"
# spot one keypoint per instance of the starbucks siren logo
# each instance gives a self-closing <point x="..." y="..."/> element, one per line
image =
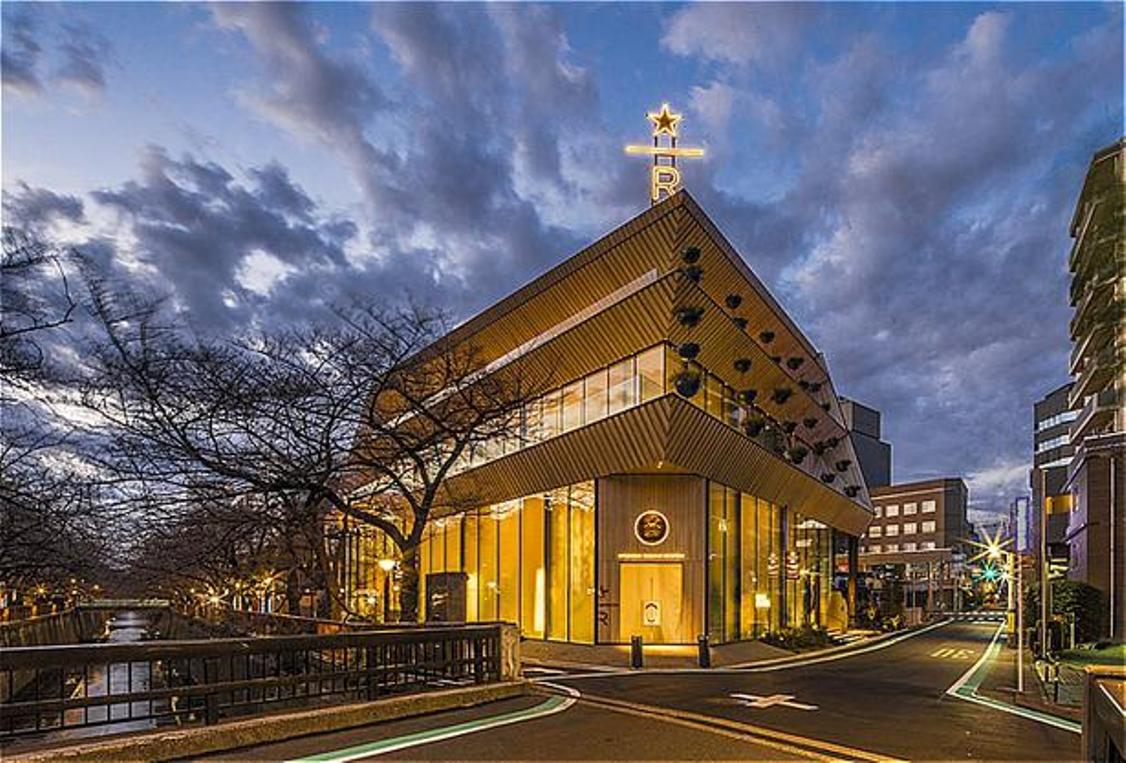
<point x="651" y="527"/>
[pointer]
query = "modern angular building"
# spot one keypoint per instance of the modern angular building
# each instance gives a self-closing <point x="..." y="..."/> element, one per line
<point x="683" y="469"/>
<point x="1096" y="534"/>
<point x="1052" y="416"/>
<point x="863" y="424"/>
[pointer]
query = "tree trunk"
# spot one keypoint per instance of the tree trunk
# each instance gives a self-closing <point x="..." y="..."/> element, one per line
<point x="408" y="586"/>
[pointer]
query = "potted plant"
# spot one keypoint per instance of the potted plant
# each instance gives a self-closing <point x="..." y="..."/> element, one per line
<point x="851" y="491"/>
<point x="797" y="454"/>
<point x="740" y="322"/>
<point x="810" y="422"/>
<point x="733" y="301"/>
<point x="843" y="464"/>
<point x="691" y="255"/>
<point x="748" y="395"/>
<point x="795" y="363"/>
<point x="754" y="425"/>
<point x="789" y="426"/>
<point x="781" y="395"/>
<point x="688" y="382"/>
<point x="742" y="365"/>
<point x="688" y="350"/>
<point x="692" y="272"/>
<point x="828" y="477"/>
<point x="688" y="316"/>
<point x="766" y="337"/>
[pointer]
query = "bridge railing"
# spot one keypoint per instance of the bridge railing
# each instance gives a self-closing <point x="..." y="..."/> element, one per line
<point x="145" y="684"/>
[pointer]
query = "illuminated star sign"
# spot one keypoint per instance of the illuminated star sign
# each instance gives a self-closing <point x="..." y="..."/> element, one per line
<point x="664" y="177"/>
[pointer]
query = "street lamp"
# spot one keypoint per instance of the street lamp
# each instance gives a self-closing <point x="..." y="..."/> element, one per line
<point x="994" y="548"/>
<point x="387" y="565"/>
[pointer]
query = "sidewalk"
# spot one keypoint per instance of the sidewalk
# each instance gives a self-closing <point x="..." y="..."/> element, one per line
<point x="1000" y="683"/>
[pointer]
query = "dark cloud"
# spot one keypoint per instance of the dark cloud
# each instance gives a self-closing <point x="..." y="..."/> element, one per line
<point x="85" y="56"/>
<point x="36" y="208"/>
<point x="19" y="58"/>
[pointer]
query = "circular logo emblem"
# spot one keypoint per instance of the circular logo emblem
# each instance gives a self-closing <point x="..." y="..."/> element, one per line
<point x="651" y="527"/>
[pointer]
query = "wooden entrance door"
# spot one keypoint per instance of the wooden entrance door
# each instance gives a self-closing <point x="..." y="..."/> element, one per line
<point x="652" y="594"/>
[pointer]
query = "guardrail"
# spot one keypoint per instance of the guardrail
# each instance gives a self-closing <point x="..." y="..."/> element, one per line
<point x="159" y="682"/>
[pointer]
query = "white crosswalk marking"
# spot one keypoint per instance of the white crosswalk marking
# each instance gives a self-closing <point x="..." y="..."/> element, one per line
<point x="784" y="700"/>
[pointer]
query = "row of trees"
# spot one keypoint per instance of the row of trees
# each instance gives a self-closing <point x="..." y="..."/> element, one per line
<point x="196" y="458"/>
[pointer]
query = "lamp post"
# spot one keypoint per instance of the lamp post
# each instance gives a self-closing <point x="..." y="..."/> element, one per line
<point x="388" y="566"/>
<point x="994" y="550"/>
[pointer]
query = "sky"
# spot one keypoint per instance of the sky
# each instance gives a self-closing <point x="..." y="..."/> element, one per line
<point x="901" y="176"/>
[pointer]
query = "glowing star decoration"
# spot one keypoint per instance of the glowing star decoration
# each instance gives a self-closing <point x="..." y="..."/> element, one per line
<point x="664" y="176"/>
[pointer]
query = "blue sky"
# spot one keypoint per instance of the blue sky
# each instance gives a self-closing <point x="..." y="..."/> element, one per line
<point x="901" y="175"/>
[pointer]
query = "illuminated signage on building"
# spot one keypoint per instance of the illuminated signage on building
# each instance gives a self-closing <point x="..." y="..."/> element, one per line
<point x="651" y="527"/>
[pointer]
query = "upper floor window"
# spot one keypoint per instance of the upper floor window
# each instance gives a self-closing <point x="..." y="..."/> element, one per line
<point x="928" y="545"/>
<point x="891" y="530"/>
<point x="875" y="531"/>
<point x="910" y="508"/>
<point x="928" y="526"/>
<point x="879" y="511"/>
<point x="928" y="507"/>
<point x="1059" y="418"/>
<point x="909" y="528"/>
<point x="893" y="510"/>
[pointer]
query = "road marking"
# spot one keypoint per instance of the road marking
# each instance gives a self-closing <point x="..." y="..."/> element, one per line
<point x="953" y="653"/>
<point x="785" y="700"/>
<point x="966" y="688"/>
<point x="550" y="706"/>
<point x="761" y="735"/>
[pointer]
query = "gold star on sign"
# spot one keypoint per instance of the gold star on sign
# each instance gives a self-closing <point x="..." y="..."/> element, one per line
<point x="664" y="123"/>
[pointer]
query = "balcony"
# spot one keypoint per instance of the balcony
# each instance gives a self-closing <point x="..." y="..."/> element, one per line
<point x="1098" y="370"/>
<point x="1091" y="343"/>
<point x="1100" y="299"/>
<point x="1096" y="413"/>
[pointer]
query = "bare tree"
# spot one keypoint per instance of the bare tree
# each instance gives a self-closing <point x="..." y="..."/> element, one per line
<point x="365" y="418"/>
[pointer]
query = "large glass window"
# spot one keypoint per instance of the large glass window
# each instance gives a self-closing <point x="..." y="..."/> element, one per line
<point x="714" y="404"/>
<point x="622" y="384"/>
<point x="717" y="546"/>
<point x="651" y="373"/>
<point x="551" y="406"/>
<point x="558" y="564"/>
<point x="508" y="576"/>
<point x="533" y="579"/>
<point x="595" y="396"/>
<point x="731" y="566"/>
<point x="470" y="556"/>
<point x="582" y="563"/>
<point x="572" y="406"/>
<point x="487" y="566"/>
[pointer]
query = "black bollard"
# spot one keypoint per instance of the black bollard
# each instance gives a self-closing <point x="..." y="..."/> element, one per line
<point x="705" y="653"/>
<point x="635" y="652"/>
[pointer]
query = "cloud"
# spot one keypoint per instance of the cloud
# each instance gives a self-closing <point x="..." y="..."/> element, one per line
<point x="85" y="53"/>
<point x="737" y="33"/>
<point x="19" y="59"/>
<point x="37" y="208"/>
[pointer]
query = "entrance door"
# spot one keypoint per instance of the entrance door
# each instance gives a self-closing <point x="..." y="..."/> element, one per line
<point x="650" y="602"/>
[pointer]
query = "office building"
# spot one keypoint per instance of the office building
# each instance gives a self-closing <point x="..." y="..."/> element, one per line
<point x="873" y="453"/>
<point x="1096" y="531"/>
<point x="1051" y="500"/>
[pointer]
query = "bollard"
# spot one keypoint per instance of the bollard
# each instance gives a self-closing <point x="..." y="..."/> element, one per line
<point x="635" y="660"/>
<point x="705" y="652"/>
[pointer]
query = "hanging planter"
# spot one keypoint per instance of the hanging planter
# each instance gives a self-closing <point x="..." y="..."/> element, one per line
<point x="825" y="407"/>
<point x="803" y="384"/>
<point x="688" y="383"/>
<point x="733" y="301"/>
<point x="851" y="491"/>
<point x="689" y="316"/>
<point x="789" y="426"/>
<point x="819" y="448"/>
<point x="748" y="395"/>
<point x="776" y="358"/>
<point x="692" y="273"/>
<point x="815" y="386"/>
<point x="688" y="350"/>
<point x="810" y="422"/>
<point x="740" y="322"/>
<point x="828" y="477"/>
<point x="781" y="395"/>
<point x="832" y="442"/>
<point x="779" y="448"/>
<point x="691" y="255"/>
<point x="742" y="365"/>
<point x="753" y="426"/>
<point x="795" y="363"/>
<point x="843" y="464"/>
<point x="766" y="336"/>
<point x="797" y="454"/>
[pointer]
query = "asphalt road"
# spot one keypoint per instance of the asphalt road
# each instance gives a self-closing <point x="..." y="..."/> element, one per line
<point x="887" y="702"/>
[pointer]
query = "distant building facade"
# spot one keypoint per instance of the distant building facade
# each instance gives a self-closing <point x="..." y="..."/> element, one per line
<point x="1051" y="500"/>
<point x="1096" y="533"/>
<point x="873" y="453"/>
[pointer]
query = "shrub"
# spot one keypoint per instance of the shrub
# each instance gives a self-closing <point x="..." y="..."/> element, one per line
<point x="796" y="639"/>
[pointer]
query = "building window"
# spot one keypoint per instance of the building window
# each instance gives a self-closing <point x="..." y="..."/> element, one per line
<point x="908" y="546"/>
<point x="893" y="510"/>
<point x="928" y="526"/>
<point x="875" y="531"/>
<point x="892" y="548"/>
<point x="874" y="548"/>
<point x="595" y="396"/>
<point x="909" y="528"/>
<point x="621" y="386"/>
<point x="879" y="511"/>
<point x="910" y="508"/>
<point x="928" y="545"/>
<point x="891" y="531"/>
<point x="651" y="373"/>
<point x="572" y="406"/>
<point x="928" y="507"/>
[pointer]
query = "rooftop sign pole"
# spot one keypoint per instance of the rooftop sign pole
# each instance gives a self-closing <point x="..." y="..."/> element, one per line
<point x="664" y="177"/>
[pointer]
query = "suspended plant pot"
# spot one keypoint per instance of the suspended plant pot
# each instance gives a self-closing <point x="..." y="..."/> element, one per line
<point x="803" y="384"/>
<point x="815" y="386"/>
<point x="689" y="316"/>
<point x="691" y="255"/>
<point x="843" y="464"/>
<point x="797" y="454"/>
<point x="748" y="395"/>
<point x="828" y="477"/>
<point x="776" y="358"/>
<point x="789" y="426"/>
<point x="692" y="273"/>
<point x="742" y="365"/>
<point x="851" y="491"/>
<point x="819" y="448"/>
<point x="688" y="350"/>
<point x="766" y="336"/>
<point x="753" y="426"/>
<point x="810" y="422"/>
<point x="781" y="395"/>
<point x="832" y="442"/>
<point x="795" y="363"/>
<point x="733" y="301"/>
<point x="825" y="407"/>
<point x="688" y="383"/>
<point x="740" y="322"/>
<point x="779" y="448"/>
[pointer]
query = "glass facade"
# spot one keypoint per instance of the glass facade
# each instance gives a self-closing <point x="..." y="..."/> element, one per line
<point x="528" y="561"/>
<point x="809" y="572"/>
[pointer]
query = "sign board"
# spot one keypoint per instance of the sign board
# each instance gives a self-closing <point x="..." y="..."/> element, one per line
<point x="651" y="527"/>
<point x="651" y="613"/>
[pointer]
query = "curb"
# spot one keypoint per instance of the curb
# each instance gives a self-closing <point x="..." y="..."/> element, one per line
<point x="200" y="740"/>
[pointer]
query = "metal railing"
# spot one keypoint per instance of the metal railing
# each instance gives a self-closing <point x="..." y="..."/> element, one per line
<point x="142" y="685"/>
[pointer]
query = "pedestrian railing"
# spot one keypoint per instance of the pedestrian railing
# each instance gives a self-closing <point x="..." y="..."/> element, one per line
<point x="140" y="685"/>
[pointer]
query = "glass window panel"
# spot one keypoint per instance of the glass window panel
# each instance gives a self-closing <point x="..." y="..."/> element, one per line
<point x="423" y="570"/>
<point x="582" y="563"/>
<point x="572" y="406"/>
<point x="469" y="552"/>
<point x="673" y="366"/>
<point x="909" y="509"/>
<point x="928" y="507"/>
<point x="533" y="421"/>
<point x="731" y="411"/>
<point x="651" y="373"/>
<point x="487" y="566"/>
<point x="453" y="544"/>
<point x="551" y="406"/>
<point x="716" y="549"/>
<point x="714" y="403"/>
<point x="622" y="384"/>
<point x="731" y="566"/>
<point x="594" y="396"/>
<point x="533" y="579"/>
<point x="750" y="562"/>
<point x="557" y="565"/>
<point x="928" y="526"/>
<point x="508" y="577"/>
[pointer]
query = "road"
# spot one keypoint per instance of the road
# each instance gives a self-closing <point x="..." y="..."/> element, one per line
<point x="877" y="702"/>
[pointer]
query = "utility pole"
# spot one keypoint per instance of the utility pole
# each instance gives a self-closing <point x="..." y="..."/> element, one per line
<point x="1020" y="624"/>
